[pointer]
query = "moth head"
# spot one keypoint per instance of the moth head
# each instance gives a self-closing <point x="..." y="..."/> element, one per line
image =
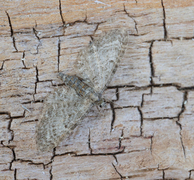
<point x="101" y="103"/>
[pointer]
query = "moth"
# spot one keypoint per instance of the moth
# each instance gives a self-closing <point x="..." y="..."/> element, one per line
<point x="64" y="109"/>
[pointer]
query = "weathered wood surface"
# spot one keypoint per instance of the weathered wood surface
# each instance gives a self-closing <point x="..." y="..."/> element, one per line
<point x="148" y="131"/>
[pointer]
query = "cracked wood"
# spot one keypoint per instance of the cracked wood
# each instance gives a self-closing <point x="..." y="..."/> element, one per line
<point x="146" y="131"/>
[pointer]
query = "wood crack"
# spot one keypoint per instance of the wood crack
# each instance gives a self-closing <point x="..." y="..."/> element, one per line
<point x="164" y="21"/>
<point x="11" y="31"/>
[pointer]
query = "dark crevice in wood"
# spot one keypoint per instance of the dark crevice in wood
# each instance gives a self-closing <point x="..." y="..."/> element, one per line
<point x="115" y="167"/>
<point x="61" y="13"/>
<point x="52" y="157"/>
<point x="29" y="121"/>
<point x="142" y="101"/>
<point x="23" y="57"/>
<point x="79" y="21"/>
<point x="97" y="25"/>
<point x="13" y="153"/>
<point x="113" y="115"/>
<point x="131" y="18"/>
<point x="5" y="112"/>
<point x="36" y="34"/>
<point x="98" y="154"/>
<point x="11" y="31"/>
<point x="54" y="153"/>
<point x="14" y="158"/>
<point x="117" y="171"/>
<point x="151" y="60"/>
<point x="141" y="121"/>
<point x="35" y="88"/>
<point x="37" y="80"/>
<point x="126" y="107"/>
<point x="59" y="53"/>
<point x="117" y="94"/>
<point x="30" y="102"/>
<point x="161" y="40"/>
<point x="30" y="162"/>
<point x="1" y="68"/>
<point x="154" y="85"/>
<point x="115" y="158"/>
<point x="120" y="139"/>
<point x="10" y="130"/>
<point x="163" y="174"/>
<point x="50" y="37"/>
<point x="15" y="174"/>
<point x="18" y="117"/>
<point x="83" y="21"/>
<point x="151" y="65"/>
<point x="14" y="44"/>
<point x="10" y="25"/>
<point x="185" y="99"/>
<point x="73" y="154"/>
<point x="191" y="88"/>
<point x="151" y="144"/>
<point x="189" y="175"/>
<point x="89" y="143"/>
<point x="122" y="86"/>
<point x="186" y="38"/>
<point x="50" y="172"/>
<point x="164" y="21"/>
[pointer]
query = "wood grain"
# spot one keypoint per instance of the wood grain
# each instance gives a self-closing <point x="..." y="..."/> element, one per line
<point x="146" y="132"/>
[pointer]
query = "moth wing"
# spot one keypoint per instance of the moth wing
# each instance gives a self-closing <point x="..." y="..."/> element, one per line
<point x="62" y="112"/>
<point x="98" y="61"/>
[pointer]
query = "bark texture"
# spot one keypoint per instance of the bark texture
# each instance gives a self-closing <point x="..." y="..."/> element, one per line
<point x="146" y="132"/>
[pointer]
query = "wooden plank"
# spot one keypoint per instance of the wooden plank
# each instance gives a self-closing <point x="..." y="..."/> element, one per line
<point x="146" y="132"/>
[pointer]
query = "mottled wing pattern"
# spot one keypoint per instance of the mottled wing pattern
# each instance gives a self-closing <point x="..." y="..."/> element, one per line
<point x="64" y="108"/>
<point x="97" y="62"/>
<point x="62" y="112"/>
